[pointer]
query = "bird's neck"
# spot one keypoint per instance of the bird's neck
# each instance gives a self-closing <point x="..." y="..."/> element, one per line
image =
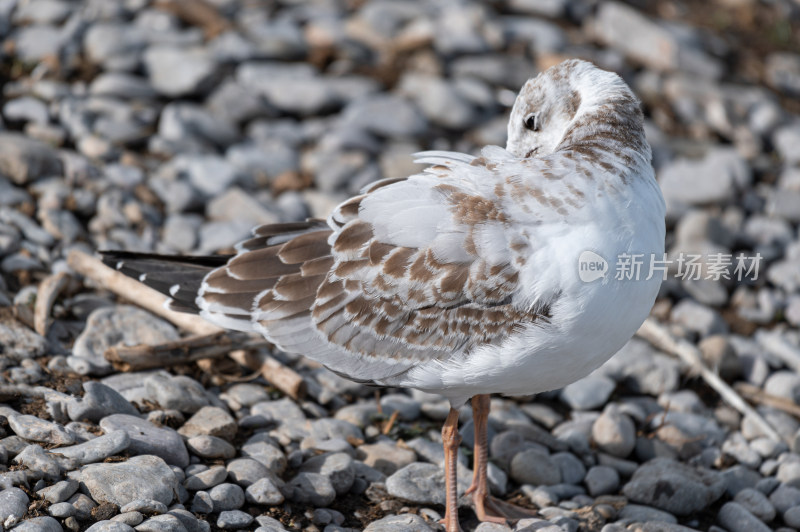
<point x="612" y="132"/>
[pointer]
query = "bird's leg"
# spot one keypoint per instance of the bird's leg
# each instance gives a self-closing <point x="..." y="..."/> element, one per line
<point x="480" y="487"/>
<point x="487" y="508"/>
<point x="450" y="440"/>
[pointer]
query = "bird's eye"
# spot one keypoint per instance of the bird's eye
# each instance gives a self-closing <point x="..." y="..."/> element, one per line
<point x="531" y="122"/>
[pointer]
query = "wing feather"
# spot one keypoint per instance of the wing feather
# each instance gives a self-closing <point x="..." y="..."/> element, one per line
<point x="410" y="271"/>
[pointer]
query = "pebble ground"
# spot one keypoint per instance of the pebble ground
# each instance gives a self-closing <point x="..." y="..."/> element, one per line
<point x="174" y="127"/>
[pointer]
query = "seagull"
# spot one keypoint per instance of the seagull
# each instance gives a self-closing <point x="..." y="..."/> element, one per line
<point x="464" y="280"/>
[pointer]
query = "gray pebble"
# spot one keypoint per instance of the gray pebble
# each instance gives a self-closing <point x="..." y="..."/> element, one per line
<point x="83" y="505"/>
<point x="182" y="121"/>
<point x="311" y="488"/>
<point x="162" y="523"/>
<point x="99" y="401"/>
<point x="601" y="480"/>
<point x="210" y="447"/>
<point x="368" y="113"/>
<point x="385" y="456"/>
<point x="792" y="517"/>
<point x="739" y="477"/>
<point x="178" y="71"/>
<point x="128" y="518"/>
<point x="212" y="421"/>
<point x="407" y="408"/>
<point x="97" y="449"/>
<point x="13" y="505"/>
<point x="207" y="479"/>
<point x="145" y="506"/>
<point x="202" y="503"/>
<point x="263" y="448"/>
<point x="234" y="519"/>
<point x="176" y="393"/>
<point x="110" y="526"/>
<point x="61" y="510"/>
<point x="189" y="521"/>
<point x="338" y="467"/>
<point x="730" y="173"/>
<point x="572" y="469"/>
<point x="34" y="429"/>
<point x="785" y="497"/>
<point x="399" y="523"/>
<point x="26" y="109"/>
<point x="292" y="88"/>
<point x="674" y="486"/>
<point x="226" y="497"/>
<point x="111" y="326"/>
<point x="141" y="477"/>
<point x="756" y="503"/>
<point x="636" y="512"/>
<point x="244" y="395"/>
<point x="39" y="463"/>
<point x="58" y="492"/>
<point x="24" y="159"/>
<point x="264" y="491"/>
<point x="39" y="524"/>
<point x="588" y="393"/>
<point x="614" y="433"/>
<point x="736" y="518"/>
<point x="699" y="318"/>
<point x="789" y="473"/>
<point x="146" y="438"/>
<point x="246" y="471"/>
<point x="360" y="414"/>
<point x="421" y="483"/>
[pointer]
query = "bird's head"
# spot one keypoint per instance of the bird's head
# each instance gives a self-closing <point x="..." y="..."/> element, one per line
<point x="556" y="107"/>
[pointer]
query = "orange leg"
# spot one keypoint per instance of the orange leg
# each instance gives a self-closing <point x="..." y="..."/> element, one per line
<point x="480" y="484"/>
<point x="450" y="440"/>
<point x="487" y="508"/>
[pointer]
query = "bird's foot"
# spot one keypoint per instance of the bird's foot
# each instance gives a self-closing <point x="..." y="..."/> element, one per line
<point x="450" y="523"/>
<point x="490" y="509"/>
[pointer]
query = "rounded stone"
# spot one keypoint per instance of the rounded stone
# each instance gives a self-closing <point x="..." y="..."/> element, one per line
<point x="601" y="480"/>
<point x="531" y="466"/>
<point x="226" y="497"/>
<point x="614" y="433"/>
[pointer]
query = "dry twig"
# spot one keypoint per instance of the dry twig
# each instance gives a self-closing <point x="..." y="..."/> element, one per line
<point x="283" y="378"/>
<point x="757" y="395"/>
<point x="191" y="349"/>
<point x="661" y="338"/>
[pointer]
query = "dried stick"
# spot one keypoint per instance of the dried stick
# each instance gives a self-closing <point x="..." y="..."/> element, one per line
<point x="661" y="338"/>
<point x="280" y="376"/>
<point x="283" y="378"/>
<point x="132" y="358"/>
<point x="757" y="395"/>
<point x="49" y="289"/>
<point x="136" y="292"/>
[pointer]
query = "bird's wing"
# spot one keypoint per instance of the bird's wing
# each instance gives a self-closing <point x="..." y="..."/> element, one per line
<point x="407" y="271"/>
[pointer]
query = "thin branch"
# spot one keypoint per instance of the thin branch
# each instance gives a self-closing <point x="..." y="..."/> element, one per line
<point x="136" y="292"/>
<point x="282" y="377"/>
<point x="757" y="395"/>
<point x="185" y="350"/>
<point x="661" y="338"/>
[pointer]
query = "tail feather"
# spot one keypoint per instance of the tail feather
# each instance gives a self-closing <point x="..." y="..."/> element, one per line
<point x="178" y="277"/>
